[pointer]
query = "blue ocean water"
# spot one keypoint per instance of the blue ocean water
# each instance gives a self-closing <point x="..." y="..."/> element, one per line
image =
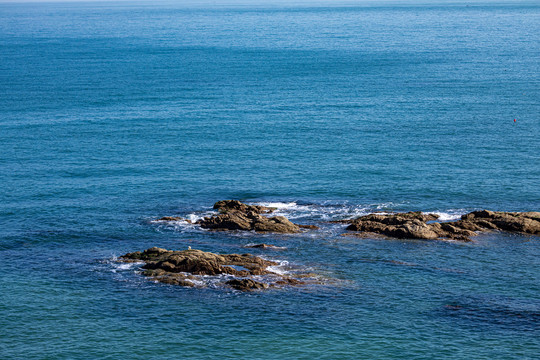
<point x="114" y="114"/>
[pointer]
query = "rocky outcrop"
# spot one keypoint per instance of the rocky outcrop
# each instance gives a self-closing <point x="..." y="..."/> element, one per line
<point x="411" y="225"/>
<point x="225" y="206"/>
<point x="236" y="220"/>
<point x="199" y="262"/>
<point x="235" y="215"/>
<point x="416" y="225"/>
<point x="518" y="222"/>
<point x="185" y="268"/>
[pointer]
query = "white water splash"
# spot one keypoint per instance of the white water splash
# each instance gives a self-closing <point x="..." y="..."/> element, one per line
<point x="447" y="216"/>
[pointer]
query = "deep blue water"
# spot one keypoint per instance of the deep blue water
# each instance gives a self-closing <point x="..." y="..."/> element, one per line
<point x="113" y="114"/>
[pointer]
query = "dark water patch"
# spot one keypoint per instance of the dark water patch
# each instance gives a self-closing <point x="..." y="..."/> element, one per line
<point x="508" y="313"/>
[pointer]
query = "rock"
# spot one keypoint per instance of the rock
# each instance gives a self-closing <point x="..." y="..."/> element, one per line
<point x="200" y="262"/>
<point x="414" y="225"/>
<point x="410" y="225"/>
<point x="225" y="206"/>
<point x="147" y="254"/>
<point x="246" y="284"/>
<point x="173" y="218"/>
<point x="174" y="279"/>
<point x="308" y="227"/>
<point x="232" y="220"/>
<point x="263" y="246"/>
<point x="289" y="281"/>
<point x="237" y="220"/>
<point x="183" y="267"/>
<point x="235" y="215"/>
<point x="277" y="224"/>
<point x="525" y="222"/>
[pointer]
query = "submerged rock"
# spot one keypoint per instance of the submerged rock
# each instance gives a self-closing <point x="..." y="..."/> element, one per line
<point x="308" y="227"/>
<point x="185" y="268"/>
<point x="246" y="284"/>
<point x="263" y="246"/>
<point x="173" y="218"/>
<point x="415" y="225"/>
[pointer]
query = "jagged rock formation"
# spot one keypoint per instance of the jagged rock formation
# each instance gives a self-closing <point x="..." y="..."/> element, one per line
<point x="183" y="267"/>
<point x="225" y="206"/>
<point x="415" y="225"/>
<point x="235" y="215"/>
<point x="236" y="220"/>
<point x="519" y="222"/>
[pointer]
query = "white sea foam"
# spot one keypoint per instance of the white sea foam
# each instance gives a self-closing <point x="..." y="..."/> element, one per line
<point x="122" y="266"/>
<point x="280" y="268"/>
<point x="197" y="282"/>
<point x="289" y="209"/>
<point x="448" y="216"/>
<point x="280" y="205"/>
<point x="196" y="217"/>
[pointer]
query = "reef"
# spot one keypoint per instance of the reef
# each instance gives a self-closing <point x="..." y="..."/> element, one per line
<point x="250" y="221"/>
<point x="225" y="206"/>
<point x="416" y="225"/>
<point x="235" y="215"/>
<point x="186" y="267"/>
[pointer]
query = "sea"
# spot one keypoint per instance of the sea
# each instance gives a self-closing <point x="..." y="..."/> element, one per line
<point x="114" y="114"/>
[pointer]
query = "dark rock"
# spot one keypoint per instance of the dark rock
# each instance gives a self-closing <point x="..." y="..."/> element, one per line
<point x="525" y="222"/>
<point x="182" y="267"/>
<point x="225" y="206"/>
<point x="414" y="225"/>
<point x="366" y="235"/>
<point x="232" y="220"/>
<point x="390" y="218"/>
<point x="289" y="281"/>
<point x="263" y="246"/>
<point x="234" y="215"/>
<point x="200" y="262"/>
<point x="278" y="224"/>
<point x="410" y="225"/>
<point x="147" y="254"/>
<point x="173" y="218"/>
<point x="237" y="220"/>
<point x="246" y="284"/>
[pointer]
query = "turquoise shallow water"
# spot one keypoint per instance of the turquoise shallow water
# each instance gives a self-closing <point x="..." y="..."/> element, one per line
<point x="113" y="114"/>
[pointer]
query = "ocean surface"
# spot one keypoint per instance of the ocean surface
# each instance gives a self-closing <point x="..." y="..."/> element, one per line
<point x="115" y="114"/>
